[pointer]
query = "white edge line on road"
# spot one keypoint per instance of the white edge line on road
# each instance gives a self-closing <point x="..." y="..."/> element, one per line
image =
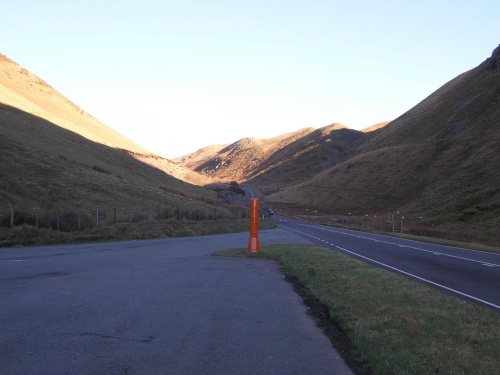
<point x="409" y="274"/>
<point x="410" y="247"/>
<point x="421" y="278"/>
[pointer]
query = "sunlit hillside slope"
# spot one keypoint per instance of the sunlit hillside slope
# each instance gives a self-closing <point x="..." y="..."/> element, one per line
<point x="52" y="154"/>
<point x="278" y="161"/>
<point x="240" y="160"/>
<point x="21" y="89"/>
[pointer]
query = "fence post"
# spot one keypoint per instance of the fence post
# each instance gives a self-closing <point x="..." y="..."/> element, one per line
<point x="130" y="215"/>
<point x="158" y="212"/>
<point x="79" y="219"/>
<point x="57" y="222"/>
<point x="36" y="216"/>
<point x="114" y="216"/>
<point x="11" y="217"/>
<point x="97" y="217"/>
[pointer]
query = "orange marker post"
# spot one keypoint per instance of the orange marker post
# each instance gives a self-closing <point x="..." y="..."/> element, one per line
<point x="253" y="245"/>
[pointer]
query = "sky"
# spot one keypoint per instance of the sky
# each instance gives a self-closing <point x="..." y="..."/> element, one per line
<point x="176" y="76"/>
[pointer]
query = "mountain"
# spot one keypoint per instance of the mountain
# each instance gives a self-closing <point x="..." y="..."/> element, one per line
<point x="440" y="160"/>
<point x="23" y="90"/>
<point x="281" y="160"/>
<point x="240" y="160"/>
<point x="53" y="154"/>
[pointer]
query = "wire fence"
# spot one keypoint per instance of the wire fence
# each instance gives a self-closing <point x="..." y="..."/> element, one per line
<point x="81" y="219"/>
<point x="75" y="220"/>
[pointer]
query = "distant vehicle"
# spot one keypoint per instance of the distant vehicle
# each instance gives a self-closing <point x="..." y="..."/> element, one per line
<point x="271" y="212"/>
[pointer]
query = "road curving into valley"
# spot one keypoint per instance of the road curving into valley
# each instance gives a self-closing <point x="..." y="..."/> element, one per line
<point x="251" y="193"/>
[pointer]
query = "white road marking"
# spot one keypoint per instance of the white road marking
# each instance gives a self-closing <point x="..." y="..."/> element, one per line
<point x="415" y="276"/>
<point x="422" y="279"/>
<point x="403" y="246"/>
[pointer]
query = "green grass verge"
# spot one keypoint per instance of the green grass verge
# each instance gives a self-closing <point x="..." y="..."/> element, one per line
<point x="400" y="326"/>
<point x="26" y="235"/>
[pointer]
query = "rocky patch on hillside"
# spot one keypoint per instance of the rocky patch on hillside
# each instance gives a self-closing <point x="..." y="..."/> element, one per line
<point x="231" y="193"/>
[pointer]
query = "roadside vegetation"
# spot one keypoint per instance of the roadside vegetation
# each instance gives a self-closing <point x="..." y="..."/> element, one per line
<point x="398" y="326"/>
<point x="457" y="235"/>
<point x="27" y="235"/>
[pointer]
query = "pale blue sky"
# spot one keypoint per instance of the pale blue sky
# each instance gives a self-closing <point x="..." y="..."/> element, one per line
<point x="175" y="76"/>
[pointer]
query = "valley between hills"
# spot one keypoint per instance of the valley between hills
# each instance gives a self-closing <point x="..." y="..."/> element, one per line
<point x="437" y="165"/>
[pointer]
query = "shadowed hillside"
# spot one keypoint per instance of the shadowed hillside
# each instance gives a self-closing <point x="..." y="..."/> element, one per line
<point x="440" y="160"/>
<point x="44" y="165"/>
<point x="309" y="155"/>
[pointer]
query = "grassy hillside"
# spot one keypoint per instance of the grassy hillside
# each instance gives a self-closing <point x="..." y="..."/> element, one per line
<point x="55" y="156"/>
<point x="440" y="160"/>
<point x="46" y="166"/>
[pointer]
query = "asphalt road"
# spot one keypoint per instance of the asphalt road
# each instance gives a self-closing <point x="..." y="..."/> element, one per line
<point x="469" y="274"/>
<point x="156" y="307"/>
<point x="251" y="193"/>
